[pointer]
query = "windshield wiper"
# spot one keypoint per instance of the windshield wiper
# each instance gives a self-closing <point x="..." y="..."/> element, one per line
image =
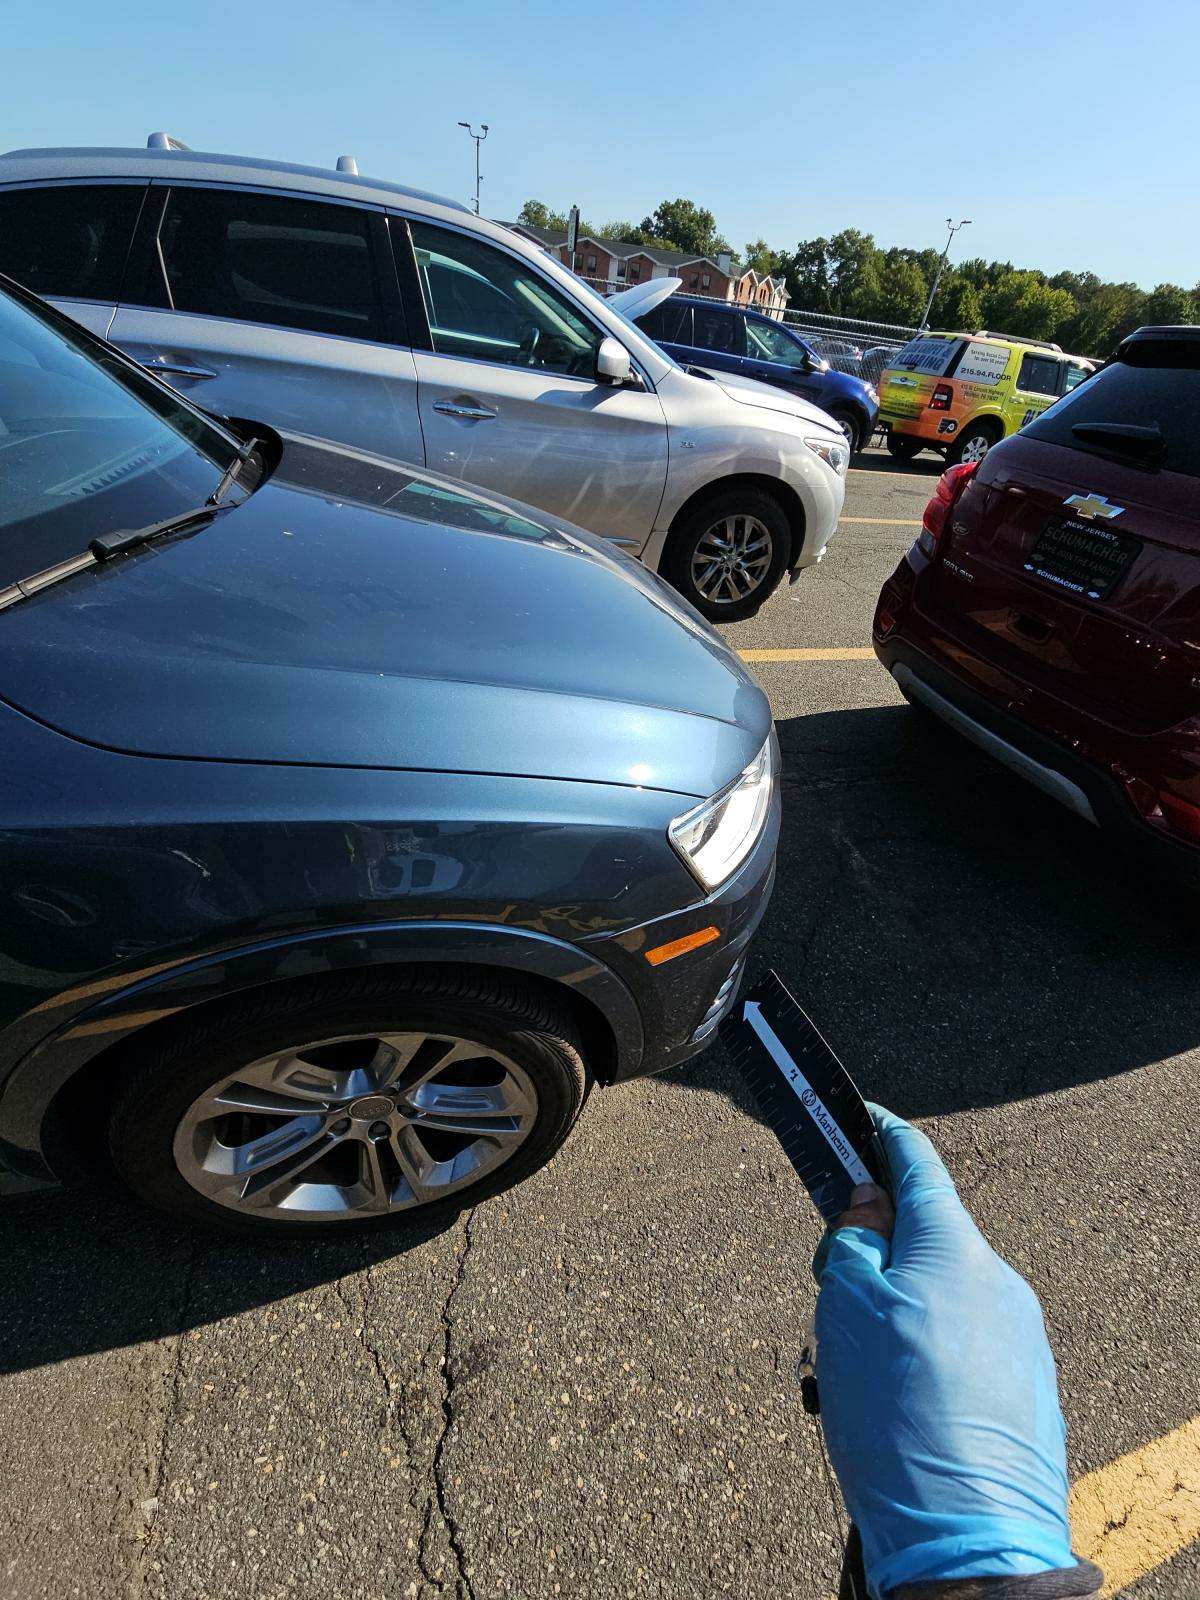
<point x="101" y="549"/>
<point x="107" y="545"/>
<point x="232" y="473"/>
<point x="1130" y="438"/>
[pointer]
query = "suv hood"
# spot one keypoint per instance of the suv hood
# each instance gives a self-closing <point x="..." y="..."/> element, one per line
<point x="353" y="612"/>
<point x="749" y="392"/>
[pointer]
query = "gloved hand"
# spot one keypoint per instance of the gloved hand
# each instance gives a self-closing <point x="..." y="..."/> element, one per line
<point x="938" y="1391"/>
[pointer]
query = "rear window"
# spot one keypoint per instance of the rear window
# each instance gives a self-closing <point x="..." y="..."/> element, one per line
<point x="70" y="240"/>
<point x="931" y="356"/>
<point x="1166" y="397"/>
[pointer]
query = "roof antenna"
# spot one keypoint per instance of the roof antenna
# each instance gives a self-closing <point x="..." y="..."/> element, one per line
<point x="164" y="141"/>
<point x="348" y="164"/>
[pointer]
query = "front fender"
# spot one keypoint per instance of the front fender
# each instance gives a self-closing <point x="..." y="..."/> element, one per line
<point x="107" y="1012"/>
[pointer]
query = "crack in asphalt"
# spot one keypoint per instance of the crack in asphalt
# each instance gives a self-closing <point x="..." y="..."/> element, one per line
<point x="449" y="1385"/>
<point x="141" y="1577"/>
<point x="398" y="1415"/>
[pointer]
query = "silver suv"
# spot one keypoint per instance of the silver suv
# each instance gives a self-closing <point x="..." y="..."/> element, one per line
<point x="400" y="324"/>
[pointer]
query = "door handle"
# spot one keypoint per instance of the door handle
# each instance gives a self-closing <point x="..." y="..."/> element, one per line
<point x="459" y="408"/>
<point x="179" y="369"/>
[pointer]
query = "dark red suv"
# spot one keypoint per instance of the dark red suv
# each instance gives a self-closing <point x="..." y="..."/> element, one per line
<point x="1050" y="610"/>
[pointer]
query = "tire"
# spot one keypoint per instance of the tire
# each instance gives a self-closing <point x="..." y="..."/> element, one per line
<point x="973" y="444"/>
<point x="698" y="546"/>
<point x="849" y="426"/>
<point x="902" y="448"/>
<point x="361" y="1130"/>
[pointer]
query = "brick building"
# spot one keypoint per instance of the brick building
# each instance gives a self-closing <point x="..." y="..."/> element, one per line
<point x="612" y="264"/>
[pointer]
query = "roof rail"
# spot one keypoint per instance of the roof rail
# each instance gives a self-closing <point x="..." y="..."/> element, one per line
<point x="1017" y="338"/>
<point x="348" y="165"/>
<point x="164" y="141"/>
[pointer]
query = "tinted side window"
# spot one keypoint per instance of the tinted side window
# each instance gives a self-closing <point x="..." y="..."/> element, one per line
<point x="487" y="305"/>
<point x="1038" y="375"/>
<point x="717" y="331"/>
<point x="1165" y="397"/>
<point x="71" y="239"/>
<point x="256" y="258"/>
<point x="669" y="323"/>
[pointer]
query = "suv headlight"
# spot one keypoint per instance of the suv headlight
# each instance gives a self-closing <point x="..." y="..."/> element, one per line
<point x="715" y="837"/>
<point x="833" y="452"/>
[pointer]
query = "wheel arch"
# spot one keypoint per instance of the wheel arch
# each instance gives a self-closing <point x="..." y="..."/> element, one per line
<point x="993" y="420"/>
<point x="783" y="493"/>
<point x="50" y="1102"/>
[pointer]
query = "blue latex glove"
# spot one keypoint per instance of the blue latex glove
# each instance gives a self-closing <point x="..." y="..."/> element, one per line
<point x="938" y="1391"/>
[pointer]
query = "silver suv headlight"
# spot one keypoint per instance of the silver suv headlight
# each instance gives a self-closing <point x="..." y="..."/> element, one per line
<point x="833" y="452"/>
<point x="715" y="837"/>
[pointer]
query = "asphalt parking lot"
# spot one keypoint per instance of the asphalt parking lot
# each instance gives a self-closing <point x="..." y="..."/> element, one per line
<point x="586" y="1387"/>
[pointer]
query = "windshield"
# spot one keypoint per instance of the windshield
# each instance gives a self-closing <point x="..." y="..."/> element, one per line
<point x="86" y="446"/>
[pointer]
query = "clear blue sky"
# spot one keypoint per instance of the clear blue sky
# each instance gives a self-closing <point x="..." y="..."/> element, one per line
<point x="1068" y="131"/>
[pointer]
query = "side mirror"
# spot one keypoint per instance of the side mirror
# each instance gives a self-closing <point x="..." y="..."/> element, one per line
<point x="612" y="362"/>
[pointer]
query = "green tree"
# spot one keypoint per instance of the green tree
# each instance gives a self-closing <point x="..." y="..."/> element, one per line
<point x="537" y="214"/>
<point x="895" y="291"/>
<point x="1101" y="309"/>
<point x="1023" y="304"/>
<point x="764" y="260"/>
<point x="807" y="272"/>
<point x="851" y="257"/>
<point x="957" y="306"/>
<point x="686" y="225"/>
<point x="1170" y="304"/>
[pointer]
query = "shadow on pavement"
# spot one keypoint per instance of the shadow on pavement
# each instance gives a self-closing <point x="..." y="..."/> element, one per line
<point x="926" y="465"/>
<point x="86" y="1269"/>
<point x="960" y="938"/>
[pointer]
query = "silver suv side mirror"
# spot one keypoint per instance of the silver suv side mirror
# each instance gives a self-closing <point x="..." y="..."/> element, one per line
<point x="612" y="362"/>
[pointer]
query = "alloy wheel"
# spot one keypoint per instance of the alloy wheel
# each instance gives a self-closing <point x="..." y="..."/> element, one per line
<point x="349" y="1127"/>
<point x="976" y="447"/>
<point x="731" y="559"/>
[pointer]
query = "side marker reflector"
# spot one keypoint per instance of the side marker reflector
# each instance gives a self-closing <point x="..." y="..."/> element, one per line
<point x="680" y="947"/>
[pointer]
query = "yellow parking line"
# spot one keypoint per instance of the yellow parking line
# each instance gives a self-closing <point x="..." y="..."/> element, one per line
<point x="891" y="522"/>
<point x="807" y="655"/>
<point x="1140" y="1510"/>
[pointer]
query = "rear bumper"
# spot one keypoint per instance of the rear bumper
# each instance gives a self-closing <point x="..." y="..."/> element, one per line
<point x="1082" y="775"/>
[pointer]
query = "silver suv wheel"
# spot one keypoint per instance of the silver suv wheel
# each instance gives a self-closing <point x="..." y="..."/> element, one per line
<point x="355" y="1126"/>
<point x="732" y="559"/>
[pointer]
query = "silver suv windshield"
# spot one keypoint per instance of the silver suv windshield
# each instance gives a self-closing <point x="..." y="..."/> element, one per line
<point x="88" y="446"/>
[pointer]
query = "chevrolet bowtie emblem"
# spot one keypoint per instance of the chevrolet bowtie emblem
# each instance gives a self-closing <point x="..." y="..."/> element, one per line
<point x="1092" y="506"/>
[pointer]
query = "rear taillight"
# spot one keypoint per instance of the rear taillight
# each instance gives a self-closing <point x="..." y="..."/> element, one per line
<point x="941" y="397"/>
<point x="937" y="513"/>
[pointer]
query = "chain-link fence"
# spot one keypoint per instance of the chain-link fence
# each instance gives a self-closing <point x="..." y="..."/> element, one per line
<point x="851" y="344"/>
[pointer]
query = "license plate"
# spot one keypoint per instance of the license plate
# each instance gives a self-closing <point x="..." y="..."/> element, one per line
<point x="1082" y="557"/>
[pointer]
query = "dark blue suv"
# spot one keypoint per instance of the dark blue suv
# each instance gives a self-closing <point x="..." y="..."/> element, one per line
<point x="351" y="823"/>
<point x="729" y="338"/>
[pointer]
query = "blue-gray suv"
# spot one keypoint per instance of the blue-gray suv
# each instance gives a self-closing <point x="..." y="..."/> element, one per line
<point x="352" y="824"/>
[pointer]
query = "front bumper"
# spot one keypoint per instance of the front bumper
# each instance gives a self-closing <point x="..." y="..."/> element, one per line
<point x="682" y="1001"/>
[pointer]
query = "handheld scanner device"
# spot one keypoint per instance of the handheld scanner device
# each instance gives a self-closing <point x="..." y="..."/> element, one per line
<point x="806" y="1096"/>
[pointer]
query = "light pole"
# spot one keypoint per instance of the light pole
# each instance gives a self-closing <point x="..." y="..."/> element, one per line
<point x="478" y="138"/>
<point x="954" y="227"/>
